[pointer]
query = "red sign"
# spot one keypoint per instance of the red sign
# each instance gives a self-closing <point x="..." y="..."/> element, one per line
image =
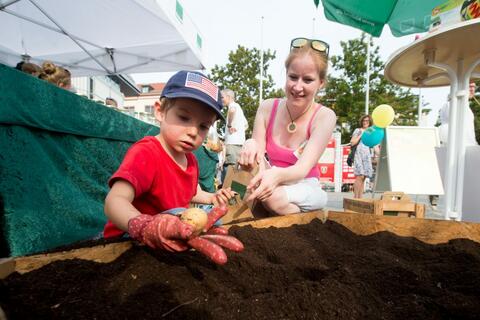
<point x="347" y="171"/>
<point x="327" y="172"/>
<point x="326" y="164"/>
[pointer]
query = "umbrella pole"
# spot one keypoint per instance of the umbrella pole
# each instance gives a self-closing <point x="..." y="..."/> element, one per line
<point x="367" y="89"/>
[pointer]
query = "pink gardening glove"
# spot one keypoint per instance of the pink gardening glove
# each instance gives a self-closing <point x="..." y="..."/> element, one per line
<point x="161" y="231"/>
<point x="211" y="241"/>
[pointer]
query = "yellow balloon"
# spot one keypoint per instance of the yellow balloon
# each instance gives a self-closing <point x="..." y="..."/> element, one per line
<point x="383" y="115"/>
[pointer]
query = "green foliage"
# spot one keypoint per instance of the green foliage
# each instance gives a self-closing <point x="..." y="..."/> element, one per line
<point x="345" y="91"/>
<point x="241" y="74"/>
<point x="475" y="106"/>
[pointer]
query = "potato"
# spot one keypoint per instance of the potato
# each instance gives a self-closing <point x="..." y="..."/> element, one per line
<point x="195" y="217"/>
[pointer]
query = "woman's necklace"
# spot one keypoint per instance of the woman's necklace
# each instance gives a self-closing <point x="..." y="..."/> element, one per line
<point x="292" y="126"/>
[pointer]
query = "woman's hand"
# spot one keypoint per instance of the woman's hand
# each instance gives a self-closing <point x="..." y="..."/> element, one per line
<point x="264" y="183"/>
<point x="249" y="157"/>
<point x="221" y="197"/>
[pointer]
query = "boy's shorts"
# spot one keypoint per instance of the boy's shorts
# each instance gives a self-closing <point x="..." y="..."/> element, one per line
<point x="307" y="194"/>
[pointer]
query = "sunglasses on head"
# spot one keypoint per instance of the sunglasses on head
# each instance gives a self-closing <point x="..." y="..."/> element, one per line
<point x="317" y="45"/>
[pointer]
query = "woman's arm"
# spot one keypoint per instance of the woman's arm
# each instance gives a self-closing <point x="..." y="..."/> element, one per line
<point x="118" y="204"/>
<point x="264" y="183"/>
<point x="253" y="150"/>
<point x="356" y="137"/>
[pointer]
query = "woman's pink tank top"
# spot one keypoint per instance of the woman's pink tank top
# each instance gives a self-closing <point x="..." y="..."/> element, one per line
<point x="280" y="156"/>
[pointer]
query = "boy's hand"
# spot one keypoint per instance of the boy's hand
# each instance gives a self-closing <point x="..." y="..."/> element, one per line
<point x="167" y="231"/>
<point x="162" y="231"/>
<point x="221" y="197"/>
<point x="211" y="242"/>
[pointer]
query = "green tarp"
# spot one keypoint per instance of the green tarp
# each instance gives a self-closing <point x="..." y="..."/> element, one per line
<point x="207" y="162"/>
<point x="57" y="151"/>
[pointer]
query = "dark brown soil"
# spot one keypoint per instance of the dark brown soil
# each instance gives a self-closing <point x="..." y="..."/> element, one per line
<point x="313" y="271"/>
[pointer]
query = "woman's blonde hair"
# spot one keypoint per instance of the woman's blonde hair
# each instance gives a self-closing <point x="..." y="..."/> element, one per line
<point x="320" y="59"/>
<point x="55" y="74"/>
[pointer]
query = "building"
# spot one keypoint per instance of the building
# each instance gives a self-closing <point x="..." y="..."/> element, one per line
<point x="142" y="106"/>
<point x="98" y="89"/>
<point x="121" y="93"/>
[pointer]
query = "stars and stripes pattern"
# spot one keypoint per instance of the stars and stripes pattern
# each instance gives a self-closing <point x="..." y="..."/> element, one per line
<point x="202" y="84"/>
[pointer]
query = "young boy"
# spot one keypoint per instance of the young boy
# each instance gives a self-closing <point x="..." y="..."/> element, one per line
<point x="160" y="173"/>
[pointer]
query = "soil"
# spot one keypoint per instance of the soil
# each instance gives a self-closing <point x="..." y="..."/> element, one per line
<point x="312" y="271"/>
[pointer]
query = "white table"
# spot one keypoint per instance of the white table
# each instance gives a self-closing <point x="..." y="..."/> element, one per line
<point x="448" y="56"/>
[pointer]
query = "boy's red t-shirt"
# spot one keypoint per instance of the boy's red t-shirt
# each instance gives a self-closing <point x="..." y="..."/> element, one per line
<point x="159" y="183"/>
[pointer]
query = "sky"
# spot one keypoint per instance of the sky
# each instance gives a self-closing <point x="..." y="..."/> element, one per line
<point x="225" y="24"/>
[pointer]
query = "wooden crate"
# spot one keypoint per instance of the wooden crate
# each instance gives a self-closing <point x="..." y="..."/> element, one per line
<point x="390" y="203"/>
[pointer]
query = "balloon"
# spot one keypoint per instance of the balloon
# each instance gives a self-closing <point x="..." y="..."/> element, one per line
<point x="372" y="136"/>
<point x="383" y="115"/>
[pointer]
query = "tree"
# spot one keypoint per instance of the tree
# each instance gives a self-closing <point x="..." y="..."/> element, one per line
<point x="475" y="106"/>
<point x="241" y="74"/>
<point x="345" y="91"/>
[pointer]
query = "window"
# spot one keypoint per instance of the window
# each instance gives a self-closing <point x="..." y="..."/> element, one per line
<point x="149" y="109"/>
<point x="145" y="89"/>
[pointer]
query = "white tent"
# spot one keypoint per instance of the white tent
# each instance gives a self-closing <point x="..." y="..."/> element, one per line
<point x="92" y="37"/>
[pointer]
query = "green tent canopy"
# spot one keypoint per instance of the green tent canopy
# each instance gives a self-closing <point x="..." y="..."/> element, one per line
<point x="403" y="16"/>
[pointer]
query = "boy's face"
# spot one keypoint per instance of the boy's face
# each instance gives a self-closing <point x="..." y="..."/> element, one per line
<point x="184" y="126"/>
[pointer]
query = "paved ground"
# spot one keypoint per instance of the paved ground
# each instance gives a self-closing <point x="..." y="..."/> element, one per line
<point x="335" y="202"/>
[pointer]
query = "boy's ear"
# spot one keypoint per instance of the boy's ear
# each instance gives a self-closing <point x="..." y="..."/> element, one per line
<point x="158" y="111"/>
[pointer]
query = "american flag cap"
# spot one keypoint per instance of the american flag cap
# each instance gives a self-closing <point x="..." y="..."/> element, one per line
<point x="194" y="85"/>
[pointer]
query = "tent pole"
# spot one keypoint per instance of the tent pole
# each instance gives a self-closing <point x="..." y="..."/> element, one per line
<point x="7" y="4"/>
<point x="71" y="37"/>
<point x="41" y="24"/>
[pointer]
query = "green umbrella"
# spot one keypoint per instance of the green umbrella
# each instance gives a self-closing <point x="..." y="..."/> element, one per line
<point x="403" y="16"/>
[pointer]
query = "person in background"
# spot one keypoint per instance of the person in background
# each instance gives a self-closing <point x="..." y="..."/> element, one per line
<point x="362" y="162"/>
<point x="236" y="125"/>
<point x="289" y="182"/>
<point x="56" y="75"/>
<point x="111" y="102"/>
<point x="30" y="68"/>
<point x="221" y="160"/>
<point x="207" y="158"/>
<point x="160" y="172"/>
<point x="469" y="121"/>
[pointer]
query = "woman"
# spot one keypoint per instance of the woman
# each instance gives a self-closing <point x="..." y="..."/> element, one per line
<point x="293" y="132"/>
<point x="56" y="75"/>
<point x="362" y="163"/>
